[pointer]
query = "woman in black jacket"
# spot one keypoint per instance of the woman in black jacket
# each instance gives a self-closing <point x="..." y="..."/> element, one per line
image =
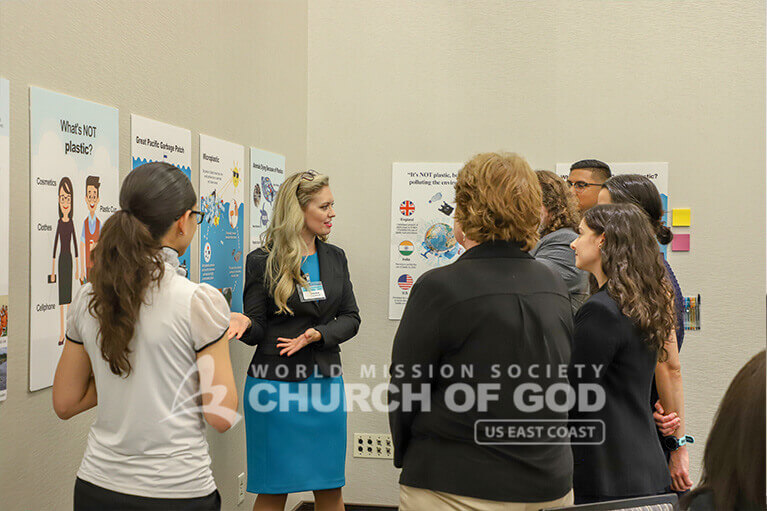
<point x="620" y="334"/>
<point x="299" y="306"/>
<point x="472" y="335"/>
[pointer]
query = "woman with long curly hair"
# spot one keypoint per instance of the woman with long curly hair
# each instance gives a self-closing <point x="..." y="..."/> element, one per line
<point x="667" y="394"/>
<point x="559" y="219"/>
<point x="621" y="332"/>
<point x="299" y="307"/>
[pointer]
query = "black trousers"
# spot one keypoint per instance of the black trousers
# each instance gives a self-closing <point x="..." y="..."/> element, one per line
<point x="89" y="497"/>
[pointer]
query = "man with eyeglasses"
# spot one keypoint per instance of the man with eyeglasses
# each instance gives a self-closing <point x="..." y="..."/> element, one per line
<point x="586" y="179"/>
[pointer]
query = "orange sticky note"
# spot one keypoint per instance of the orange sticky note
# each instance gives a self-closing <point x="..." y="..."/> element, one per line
<point x="680" y="217"/>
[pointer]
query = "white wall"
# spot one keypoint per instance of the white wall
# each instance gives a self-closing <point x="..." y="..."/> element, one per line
<point x="234" y="70"/>
<point x="556" y="81"/>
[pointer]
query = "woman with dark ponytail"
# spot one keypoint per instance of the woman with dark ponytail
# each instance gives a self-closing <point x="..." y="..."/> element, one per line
<point x="621" y="333"/>
<point x="667" y="395"/>
<point x="136" y="334"/>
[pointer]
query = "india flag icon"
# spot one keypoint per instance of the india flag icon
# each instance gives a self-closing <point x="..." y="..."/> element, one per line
<point x="406" y="248"/>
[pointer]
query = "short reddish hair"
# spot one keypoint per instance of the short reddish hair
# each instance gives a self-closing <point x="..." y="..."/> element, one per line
<point x="498" y="197"/>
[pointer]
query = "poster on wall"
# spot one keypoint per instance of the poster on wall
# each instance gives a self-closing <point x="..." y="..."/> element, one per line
<point x="5" y="208"/>
<point x="657" y="172"/>
<point x="423" y="202"/>
<point x="153" y="141"/>
<point x="222" y="232"/>
<point x="267" y="172"/>
<point x="74" y="184"/>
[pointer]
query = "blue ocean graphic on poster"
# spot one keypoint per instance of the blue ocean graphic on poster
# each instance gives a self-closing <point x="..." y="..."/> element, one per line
<point x="222" y="232"/>
<point x="153" y="141"/>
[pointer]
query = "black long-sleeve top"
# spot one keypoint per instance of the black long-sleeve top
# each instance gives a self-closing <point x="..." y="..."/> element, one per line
<point x="494" y="308"/>
<point x="337" y="318"/>
<point x="630" y="462"/>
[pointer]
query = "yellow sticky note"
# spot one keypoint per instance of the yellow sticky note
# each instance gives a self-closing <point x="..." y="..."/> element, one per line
<point x="680" y="217"/>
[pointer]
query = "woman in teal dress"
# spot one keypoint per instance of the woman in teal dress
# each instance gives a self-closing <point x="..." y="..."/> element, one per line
<point x="299" y="306"/>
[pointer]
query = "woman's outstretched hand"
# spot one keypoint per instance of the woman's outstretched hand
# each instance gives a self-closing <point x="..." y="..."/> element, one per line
<point x="290" y="346"/>
<point x="238" y="325"/>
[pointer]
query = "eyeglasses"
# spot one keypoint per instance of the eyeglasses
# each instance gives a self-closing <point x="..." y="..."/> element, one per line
<point x="581" y="185"/>
<point x="66" y="199"/>
<point x="309" y="175"/>
<point x="200" y="216"/>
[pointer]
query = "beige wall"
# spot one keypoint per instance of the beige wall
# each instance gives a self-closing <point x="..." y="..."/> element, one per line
<point x="557" y="81"/>
<point x="234" y="70"/>
<point x="681" y="82"/>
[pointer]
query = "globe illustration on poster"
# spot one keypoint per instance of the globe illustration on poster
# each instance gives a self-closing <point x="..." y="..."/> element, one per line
<point x="439" y="242"/>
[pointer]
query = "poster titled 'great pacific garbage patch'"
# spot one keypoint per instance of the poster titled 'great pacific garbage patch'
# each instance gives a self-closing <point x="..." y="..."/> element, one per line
<point x="153" y="141"/>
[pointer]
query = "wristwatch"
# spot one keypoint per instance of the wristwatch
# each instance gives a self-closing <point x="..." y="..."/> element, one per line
<point x="673" y="443"/>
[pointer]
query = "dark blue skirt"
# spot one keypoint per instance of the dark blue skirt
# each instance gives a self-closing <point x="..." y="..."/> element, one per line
<point x="296" y="434"/>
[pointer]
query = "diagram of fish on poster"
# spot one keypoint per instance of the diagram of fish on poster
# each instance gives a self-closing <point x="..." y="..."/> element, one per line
<point x="657" y="172"/>
<point x="267" y="172"/>
<point x="5" y="208"/>
<point x="422" y="238"/>
<point x="222" y="232"/>
<point x="74" y="184"/>
<point x="153" y="141"/>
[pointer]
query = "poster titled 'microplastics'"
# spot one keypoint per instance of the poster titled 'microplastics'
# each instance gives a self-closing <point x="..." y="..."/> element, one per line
<point x="74" y="186"/>
<point x="222" y="232"/>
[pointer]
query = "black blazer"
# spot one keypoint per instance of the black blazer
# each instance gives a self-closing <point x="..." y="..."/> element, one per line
<point x="494" y="307"/>
<point x="630" y="462"/>
<point x="336" y="318"/>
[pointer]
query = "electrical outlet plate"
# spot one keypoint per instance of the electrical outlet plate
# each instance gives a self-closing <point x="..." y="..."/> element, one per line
<point x="373" y="445"/>
<point x="241" y="488"/>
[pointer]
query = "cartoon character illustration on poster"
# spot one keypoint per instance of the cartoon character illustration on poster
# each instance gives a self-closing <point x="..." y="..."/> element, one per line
<point x="65" y="238"/>
<point x="235" y="176"/>
<point x="91" y="227"/>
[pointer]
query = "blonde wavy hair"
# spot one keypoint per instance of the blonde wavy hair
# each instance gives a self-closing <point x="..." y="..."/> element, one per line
<point x="282" y="239"/>
<point x="498" y="197"/>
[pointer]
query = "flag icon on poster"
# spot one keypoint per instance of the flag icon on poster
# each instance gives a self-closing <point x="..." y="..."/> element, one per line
<point x="405" y="282"/>
<point x="406" y="248"/>
<point x="407" y="208"/>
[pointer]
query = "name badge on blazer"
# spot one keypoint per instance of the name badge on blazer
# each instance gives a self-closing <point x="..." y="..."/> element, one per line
<point x="313" y="293"/>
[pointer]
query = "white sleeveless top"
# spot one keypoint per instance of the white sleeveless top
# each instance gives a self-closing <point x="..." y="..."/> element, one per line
<point x="149" y="435"/>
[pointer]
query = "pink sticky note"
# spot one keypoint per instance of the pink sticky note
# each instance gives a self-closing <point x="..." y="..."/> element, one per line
<point x="680" y="243"/>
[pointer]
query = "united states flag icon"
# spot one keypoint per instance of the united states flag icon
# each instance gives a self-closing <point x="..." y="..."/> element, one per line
<point x="405" y="282"/>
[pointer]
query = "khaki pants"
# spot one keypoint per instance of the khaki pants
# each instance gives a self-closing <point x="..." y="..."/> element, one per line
<point x="418" y="499"/>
